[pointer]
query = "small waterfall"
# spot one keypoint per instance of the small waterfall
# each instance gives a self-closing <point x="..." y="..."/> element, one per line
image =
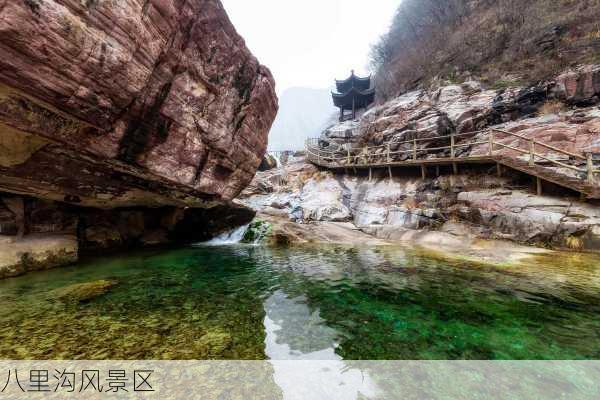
<point x="233" y="237"/>
<point x="276" y="156"/>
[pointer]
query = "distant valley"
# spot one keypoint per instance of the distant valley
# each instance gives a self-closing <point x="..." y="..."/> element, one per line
<point x="303" y="113"/>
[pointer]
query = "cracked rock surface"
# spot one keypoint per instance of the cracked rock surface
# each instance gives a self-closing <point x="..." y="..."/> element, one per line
<point x="129" y="103"/>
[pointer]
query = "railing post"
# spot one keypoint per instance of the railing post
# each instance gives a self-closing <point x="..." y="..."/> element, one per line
<point x="349" y="159"/>
<point x="590" y="168"/>
<point x="491" y="142"/>
<point x="415" y="149"/>
<point x="388" y="153"/>
<point x="531" y="152"/>
<point x="366" y="153"/>
<point x="452" y="151"/>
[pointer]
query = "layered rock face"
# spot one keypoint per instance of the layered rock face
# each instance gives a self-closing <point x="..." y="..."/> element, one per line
<point x="474" y="202"/>
<point x="561" y="113"/>
<point x="469" y="107"/>
<point x="123" y="123"/>
<point x="580" y="85"/>
<point x="128" y="103"/>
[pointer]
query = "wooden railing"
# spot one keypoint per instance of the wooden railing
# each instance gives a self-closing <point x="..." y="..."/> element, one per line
<point x="279" y="153"/>
<point x="589" y="169"/>
<point x="417" y="150"/>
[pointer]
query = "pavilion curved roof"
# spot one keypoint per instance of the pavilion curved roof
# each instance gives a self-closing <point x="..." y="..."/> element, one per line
<point x="362" y="98"/>
<point x="353" y="82"/>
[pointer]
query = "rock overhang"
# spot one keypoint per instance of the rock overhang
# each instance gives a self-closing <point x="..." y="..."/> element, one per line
<point x="164" y="107"/>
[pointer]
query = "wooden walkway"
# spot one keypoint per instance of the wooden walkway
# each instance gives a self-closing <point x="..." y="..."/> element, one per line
<point x="543" y="162"/>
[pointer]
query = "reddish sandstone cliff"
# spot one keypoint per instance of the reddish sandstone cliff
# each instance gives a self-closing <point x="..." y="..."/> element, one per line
<point x="130" y="102"/>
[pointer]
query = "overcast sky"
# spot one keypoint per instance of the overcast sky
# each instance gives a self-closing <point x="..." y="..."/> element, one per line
<point x="308" y="43"/>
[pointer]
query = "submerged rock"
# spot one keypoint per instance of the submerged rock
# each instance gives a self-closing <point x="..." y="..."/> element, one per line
<point x="213" y="343"/>
<point x="82" y="292"/>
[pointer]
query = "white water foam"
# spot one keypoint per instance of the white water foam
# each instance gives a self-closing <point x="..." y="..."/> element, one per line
<point x="233" y="237"/>
<point x="277" y="158"/>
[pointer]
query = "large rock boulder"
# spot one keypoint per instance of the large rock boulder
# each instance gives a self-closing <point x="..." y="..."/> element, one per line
<point x="580" y="85"/>
<point x="82" y="292"/>
<point x="129" y="103"/>
<point x="325" y="200"/>
<point x="463" y="108"/>
<point x="36" y="252"/>
<point x="536" y="219"/>
<point x="268" y="162"/>
<point x="467" y="106"/>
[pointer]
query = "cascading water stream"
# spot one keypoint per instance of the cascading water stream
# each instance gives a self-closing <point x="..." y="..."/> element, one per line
<point x="277" y="159"/>
<point x="253" y="233"/>
<point x="233" y="237"/>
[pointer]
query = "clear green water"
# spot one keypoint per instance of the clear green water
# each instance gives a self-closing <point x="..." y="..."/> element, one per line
<point x="247" y="302"/>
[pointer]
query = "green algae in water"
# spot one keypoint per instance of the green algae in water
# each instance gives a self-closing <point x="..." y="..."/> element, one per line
<point x="251" y="302"/>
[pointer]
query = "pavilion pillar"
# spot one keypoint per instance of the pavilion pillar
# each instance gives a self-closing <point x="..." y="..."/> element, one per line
<point x="341" y="114"/>
<point x="353" y="108"/>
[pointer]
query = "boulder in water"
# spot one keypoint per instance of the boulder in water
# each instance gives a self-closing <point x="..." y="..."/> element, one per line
<point x="36" y="252"/>
<point x="257" y="231"/>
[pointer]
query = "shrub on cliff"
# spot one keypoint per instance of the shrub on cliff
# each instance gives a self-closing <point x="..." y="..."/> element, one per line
<point x="502" y="42"/>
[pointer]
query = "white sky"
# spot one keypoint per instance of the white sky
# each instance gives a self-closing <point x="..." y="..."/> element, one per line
<point x="308" y="43"/>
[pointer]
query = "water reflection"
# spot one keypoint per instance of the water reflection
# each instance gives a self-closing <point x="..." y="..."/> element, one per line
<point x="313" y="302"/>
<point x="293" y="332"/>
<point x="296" y="335"/>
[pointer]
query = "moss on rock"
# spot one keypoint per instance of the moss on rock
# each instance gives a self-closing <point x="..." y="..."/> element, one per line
<point x="257" y="231"/>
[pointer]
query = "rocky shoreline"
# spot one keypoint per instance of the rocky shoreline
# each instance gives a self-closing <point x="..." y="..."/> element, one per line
<point x="51" y="234"/>
<point x="497" y="225"/>
<point x="123" y="132"/>
<point x="450" y="208"/>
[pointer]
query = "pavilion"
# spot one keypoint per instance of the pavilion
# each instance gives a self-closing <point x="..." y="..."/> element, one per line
<point x="353" y="94"/>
